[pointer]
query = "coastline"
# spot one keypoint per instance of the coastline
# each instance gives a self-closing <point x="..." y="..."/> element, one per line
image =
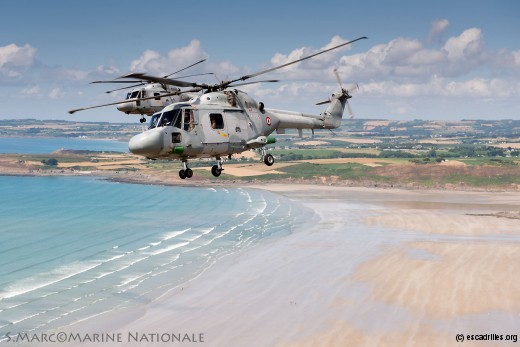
<point x="170" y="178"/>
<point x="356" y="276"/>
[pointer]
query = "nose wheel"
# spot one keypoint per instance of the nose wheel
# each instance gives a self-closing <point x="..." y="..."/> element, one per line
<point x="186" y="172"/>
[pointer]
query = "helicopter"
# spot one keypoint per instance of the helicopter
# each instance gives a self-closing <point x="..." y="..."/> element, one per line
<point x="222" y="120"/>
<point x="148" y="98"/>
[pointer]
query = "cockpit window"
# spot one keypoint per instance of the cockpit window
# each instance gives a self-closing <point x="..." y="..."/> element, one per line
<point x="134" y="94"/>
<point x="167" y="118"/>
<point x="153" y="120"/>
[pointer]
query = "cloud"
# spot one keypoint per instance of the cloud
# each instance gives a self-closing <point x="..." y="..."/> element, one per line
<point x="403" y="75"/>
<point x="64" y="74"/>
<point x="31" y="92"/>
<point x="436" y="29"/>
<point x="468" y="46"/>
<point x="442" y="87"/>
<point x="155" y="63"/>
<point x="516" y="58"/>
<point x="399" y="75"/>
<point x="16" y="56"/>
<point x="56" y="93"/>
<point x="410" y="59"/>
<point x="15" y="59"/>
<point x="312" y="68"/>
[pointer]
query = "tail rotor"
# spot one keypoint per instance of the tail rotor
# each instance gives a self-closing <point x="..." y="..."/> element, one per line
<point x="346" y="93"/>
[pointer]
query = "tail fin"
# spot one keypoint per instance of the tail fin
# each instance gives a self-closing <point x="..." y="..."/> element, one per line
<point x="334" y="113"/>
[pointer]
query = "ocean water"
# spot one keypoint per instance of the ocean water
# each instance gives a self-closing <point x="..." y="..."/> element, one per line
<point x="42" y="145"/>
<point x="73" y="248"/>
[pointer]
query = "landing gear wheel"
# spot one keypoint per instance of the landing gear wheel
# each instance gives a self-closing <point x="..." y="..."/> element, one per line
<point x="189" y="173"/>
<point x="142" y="120"/>
<point x="215" y="171"/>
<point x="268" y="160"/>
<point x="182" y="174"/>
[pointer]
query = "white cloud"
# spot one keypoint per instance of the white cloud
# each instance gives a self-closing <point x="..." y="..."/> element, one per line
<point x="110" y="70"/>
<point x="147" y="59"/>
<point x="29" y="92"/>
<point x="14" y="55"/>
<point x="155" y="63"/>
<point x="516" y="58"/>
<point x="15" y="59"/>
<point x="56" y="93"/>
<point x="64" y="74"/>
<point x="443" y="87"/>
<point x="466" y="46"/>
<point x="437" y="28"/>
<point x="400" y="75"/>
<point x="407" y="59"/>
<point x="312" y="68"/>
<point x="404" y="75"/>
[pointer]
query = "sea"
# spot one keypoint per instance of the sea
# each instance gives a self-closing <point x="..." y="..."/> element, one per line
<point x="42" y="145"/>
<point x="74" y="248"/>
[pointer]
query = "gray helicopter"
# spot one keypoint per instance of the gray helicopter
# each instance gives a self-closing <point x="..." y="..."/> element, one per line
<point x="146" y="98"/>
<point x="222" y="120"/>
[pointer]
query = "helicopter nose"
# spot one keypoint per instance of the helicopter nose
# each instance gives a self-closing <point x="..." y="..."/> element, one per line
<point x="125" y="107"/>
<point x="149" y="143"/>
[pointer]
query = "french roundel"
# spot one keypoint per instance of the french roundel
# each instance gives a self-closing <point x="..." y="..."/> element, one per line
<point x="268" y="120"/>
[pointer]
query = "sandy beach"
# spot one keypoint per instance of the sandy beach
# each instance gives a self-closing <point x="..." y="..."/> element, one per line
<point x="371" y="267"/>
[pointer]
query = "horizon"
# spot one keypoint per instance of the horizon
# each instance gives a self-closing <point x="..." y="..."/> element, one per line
<point x="343" y="120"/>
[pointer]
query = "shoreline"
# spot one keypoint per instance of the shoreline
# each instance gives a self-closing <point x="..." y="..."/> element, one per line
<point x="356" y="276"/>
<point x="170" y="179"/>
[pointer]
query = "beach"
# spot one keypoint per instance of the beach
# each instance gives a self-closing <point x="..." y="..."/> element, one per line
<point x="370" y="267"/>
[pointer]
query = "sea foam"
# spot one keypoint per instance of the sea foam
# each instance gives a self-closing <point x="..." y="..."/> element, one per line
<point x="92" y="244"/>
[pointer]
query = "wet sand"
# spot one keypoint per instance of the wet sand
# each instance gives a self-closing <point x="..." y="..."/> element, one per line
<point x="371" y="267"/>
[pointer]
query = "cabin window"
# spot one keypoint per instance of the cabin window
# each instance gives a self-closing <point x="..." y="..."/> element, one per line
<point x="157" y="96"/>
<point x="188" y="119"/>
<point x="216" y="121"/>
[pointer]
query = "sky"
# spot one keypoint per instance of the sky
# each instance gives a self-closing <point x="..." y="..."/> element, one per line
<point x="439" y="60"/>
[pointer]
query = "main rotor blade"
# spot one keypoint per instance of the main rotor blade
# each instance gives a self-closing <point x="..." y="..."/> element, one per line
<point x="246" y="83"/>
<point x="159" y="80"/>
<point x="194" y="90"/>
<point x="115" y="82"/>
<point x="199" y="74"/>
<point x="135" y="85"/>
<point x="127" y="100"/>
<point x="187" y="67"/>
<point x="243" y="78"/>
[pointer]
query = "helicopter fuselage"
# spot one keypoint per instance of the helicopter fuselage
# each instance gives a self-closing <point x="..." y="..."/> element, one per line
<point x="221" y="124"/>
<point x="134" y="105"/>
<point x="211" y="125"/>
